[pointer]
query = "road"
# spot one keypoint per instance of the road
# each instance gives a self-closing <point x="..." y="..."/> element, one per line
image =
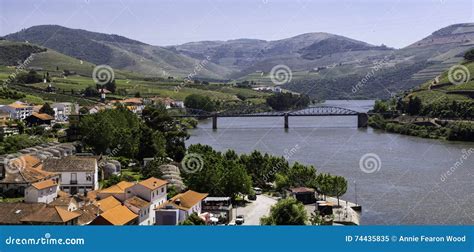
<point x="255" y="210"/>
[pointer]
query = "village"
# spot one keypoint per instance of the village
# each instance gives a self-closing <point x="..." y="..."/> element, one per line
<point x="55" y="183"/>
<point x="58" y="186"/>
<point x="61" y="182"/>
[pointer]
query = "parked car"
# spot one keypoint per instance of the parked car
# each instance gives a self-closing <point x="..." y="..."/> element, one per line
<point x="252" y="197"/>
<point x="257" y="190"/>
<point x="239" y="220"/>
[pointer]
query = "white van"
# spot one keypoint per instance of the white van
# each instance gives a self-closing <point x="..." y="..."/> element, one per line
<point x="257" y="190"/>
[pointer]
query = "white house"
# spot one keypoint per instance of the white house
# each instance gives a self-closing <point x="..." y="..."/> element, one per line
<point x="152" y="190"/>
<point x="42" y="192"/>
<point x="141" y="198"/>
<point x="178" y="208"/>
<point x="142" y="209"/>
<point x="18" y="110"/>
<point x="117" y="190"/>
<point x="77" y="174"/>
<point x="64" y="110"/>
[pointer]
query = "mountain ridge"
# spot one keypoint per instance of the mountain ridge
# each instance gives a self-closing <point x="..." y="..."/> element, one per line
<point x="331" y="64"/>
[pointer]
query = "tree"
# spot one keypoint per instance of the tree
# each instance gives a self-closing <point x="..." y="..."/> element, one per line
<point x="323" y="183"/>
<point x="469" y="55"/>
<point x="29" y="78"/>
<point x="316" y="219"/>
<point x="236" y="180"/>
<point x="46" y="109"/>
<point x="157" y="118"/>
<point x="286" y="212"/>
<point x="216" y="173"/>
<point x="111" y="86"/>
<point x="281" y="182"/>
<point x="152" y="169"/>
<point x="15" y="143"/>
<point x="84" y="111"/>
<point x="114" y="179"/>
<point x="171" y="191"/>
<point x="414" y="106"/>
<point x="108" y="129"/>
<point x="301" y="175"/>
<point x="91" y="91"/>
<point x="380" y="107"/>
<point x="339" y="185"/>
<point x="196" y="101"/>
<point x="193" y="219"/>
<point x="287" y="101"/>
<point x="151" y="144"/>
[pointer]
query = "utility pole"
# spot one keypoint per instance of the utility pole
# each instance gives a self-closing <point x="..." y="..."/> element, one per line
<point x="355" y="190"/>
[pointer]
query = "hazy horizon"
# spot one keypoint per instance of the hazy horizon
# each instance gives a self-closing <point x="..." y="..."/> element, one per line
<point x="393" y="23"/>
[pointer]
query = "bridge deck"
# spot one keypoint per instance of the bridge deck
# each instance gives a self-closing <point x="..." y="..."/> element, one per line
<point x="311" y="111"/>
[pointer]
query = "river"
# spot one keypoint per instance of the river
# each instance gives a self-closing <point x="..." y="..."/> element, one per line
<point x="410" y="184"/>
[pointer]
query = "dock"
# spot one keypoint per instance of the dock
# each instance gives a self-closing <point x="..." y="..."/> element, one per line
<point x="347" y="214"/>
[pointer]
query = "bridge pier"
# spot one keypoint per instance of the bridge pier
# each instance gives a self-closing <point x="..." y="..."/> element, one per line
<point x="214" y="121"/>
<point x="362" y="120"/>
<point x="286" y="121"/>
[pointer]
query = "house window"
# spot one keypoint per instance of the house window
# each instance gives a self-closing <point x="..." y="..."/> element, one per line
<point x="162" y="189"/>
<point x="88" y="177"/>
<point x="74" y="177"/>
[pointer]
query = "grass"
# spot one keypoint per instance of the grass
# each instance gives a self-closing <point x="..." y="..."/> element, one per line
<point x="430" y="96"/>
<point x="54" y="63"/>
<point x="439" y="94"/>
<point x="128" y="172"/>
<point x="11" y="200"/>
<point x="158" y="88"/>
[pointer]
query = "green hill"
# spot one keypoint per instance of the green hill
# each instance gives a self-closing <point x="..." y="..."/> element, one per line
<point x="49" y="61"/>
<point x="117" y="51"/>
<point x="13" y="53"/>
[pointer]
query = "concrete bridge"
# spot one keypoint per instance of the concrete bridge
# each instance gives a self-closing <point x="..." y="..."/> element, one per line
<point x="362" y="118"/>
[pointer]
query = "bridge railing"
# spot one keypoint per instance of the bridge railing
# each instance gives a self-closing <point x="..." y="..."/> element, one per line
<point x="311" y="111"/>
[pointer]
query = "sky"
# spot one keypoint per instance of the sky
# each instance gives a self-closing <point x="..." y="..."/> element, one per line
<point x="395" y="23"/>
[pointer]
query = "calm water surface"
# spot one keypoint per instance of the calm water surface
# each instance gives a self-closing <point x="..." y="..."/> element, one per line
<point x="407" y="189"/>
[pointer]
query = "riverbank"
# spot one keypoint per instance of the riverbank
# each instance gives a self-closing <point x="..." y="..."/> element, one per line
<point x="403" y="190"/>
<point x="425" y="127"/>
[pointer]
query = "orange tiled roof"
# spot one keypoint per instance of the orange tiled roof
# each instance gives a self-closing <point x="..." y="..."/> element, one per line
<point x="108" y="203"/>
<point x="132" y="100"/>
<point x="51" y="214"/>
<point x="187" y="199"/>
<point x="153" y="183"/>
<point x="44" y="184"/>
<point x="18" y="105"/>
<point x="42" y="116"/>
<point x="117" y="188"/>
<point x="29" y="171"/>
<point x="119" y="215"/>
<point x="65" y="214"/>
<point x="137" y="202"/>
